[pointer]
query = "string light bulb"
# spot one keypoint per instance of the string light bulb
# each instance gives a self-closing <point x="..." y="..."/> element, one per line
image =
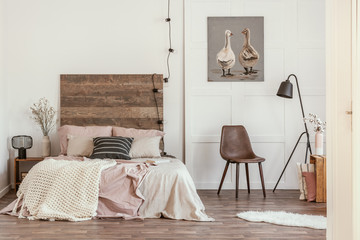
<point x="155" y="90"/>
<point x="160" y="122"/>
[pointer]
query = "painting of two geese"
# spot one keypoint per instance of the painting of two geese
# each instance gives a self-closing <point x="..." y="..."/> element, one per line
<point x="236" y="49"/>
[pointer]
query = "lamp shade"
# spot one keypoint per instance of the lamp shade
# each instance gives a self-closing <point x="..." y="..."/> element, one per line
<point x="285" y="89"/>
<point x="22" y="142"/>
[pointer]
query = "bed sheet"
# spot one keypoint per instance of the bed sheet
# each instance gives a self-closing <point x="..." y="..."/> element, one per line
<point x="135" y="189"/>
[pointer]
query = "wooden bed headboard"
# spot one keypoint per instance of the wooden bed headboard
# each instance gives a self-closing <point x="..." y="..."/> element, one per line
<point x="125" y="100"/>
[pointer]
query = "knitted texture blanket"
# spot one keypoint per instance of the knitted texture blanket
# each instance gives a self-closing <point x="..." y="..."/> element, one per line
<point x="62" y="190"/>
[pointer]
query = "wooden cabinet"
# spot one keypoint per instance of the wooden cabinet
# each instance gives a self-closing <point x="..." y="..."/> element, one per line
<point x="320" y="174"/>
<point x="17" y="175"/>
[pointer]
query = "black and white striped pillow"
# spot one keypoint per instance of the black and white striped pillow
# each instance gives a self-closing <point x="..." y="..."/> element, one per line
<point x="112" y="147"/>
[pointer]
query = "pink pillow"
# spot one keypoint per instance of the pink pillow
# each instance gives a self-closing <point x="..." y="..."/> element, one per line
<point x="91" y="131"/>
<point x="310" y="181"/>
<point x="132" y="132"/>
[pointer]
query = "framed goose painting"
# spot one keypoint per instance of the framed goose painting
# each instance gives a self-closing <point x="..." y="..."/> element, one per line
<point x="236" y="49"/>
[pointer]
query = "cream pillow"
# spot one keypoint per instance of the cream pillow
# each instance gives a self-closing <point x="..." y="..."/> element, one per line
<point x="303" y="167"/>
<point x="145" y="147"/>
<point x="89" y="131"/>
<point x="80" y="146"/>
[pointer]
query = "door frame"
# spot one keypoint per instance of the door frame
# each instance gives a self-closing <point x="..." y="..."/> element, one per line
<point x="343" y="133"/>
<point x="356" y="116"/>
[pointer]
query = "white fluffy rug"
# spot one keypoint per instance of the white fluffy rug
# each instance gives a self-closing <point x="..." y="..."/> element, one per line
<point x="285" y="218"/>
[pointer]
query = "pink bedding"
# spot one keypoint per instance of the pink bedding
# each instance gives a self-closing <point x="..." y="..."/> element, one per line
<point x="119" y="195"/>
<point x="134" y="189"/>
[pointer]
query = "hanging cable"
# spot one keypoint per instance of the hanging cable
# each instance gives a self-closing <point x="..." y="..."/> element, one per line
<point x="155" y="90"/>
<point x="171" y="50"/>
<point x="160" y="121"/>
<point x="166" y="79"/>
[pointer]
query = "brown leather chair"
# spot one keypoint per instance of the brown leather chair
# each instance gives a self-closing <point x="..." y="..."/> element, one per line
<point x="235" y="147"/>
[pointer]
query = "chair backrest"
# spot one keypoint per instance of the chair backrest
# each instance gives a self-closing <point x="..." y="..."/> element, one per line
<point x="235" y="143"/>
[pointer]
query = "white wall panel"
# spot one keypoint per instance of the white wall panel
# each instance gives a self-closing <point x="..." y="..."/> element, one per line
<point x="294" y="43"/>
<point x="199" y="15"/>
<point x="309" y="27"/>
<point x="209" y="113"/>
<point x="311" y="70"/>
<point x="209" y="165"/>
<point x="273" y="12"/>
<point x="264" y="115"/>
<point x="4" y="120"/>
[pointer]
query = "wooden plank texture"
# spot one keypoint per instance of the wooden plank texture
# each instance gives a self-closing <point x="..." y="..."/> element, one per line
<point x="148" y="123"/>
<point x="320" y="171"/>
<point x="125" y="100"/>
<point x="145" y="99"/>
<point x="223" y="208"/>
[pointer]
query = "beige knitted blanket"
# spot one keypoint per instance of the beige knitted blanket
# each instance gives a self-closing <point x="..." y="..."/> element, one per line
<point x="62" y="190"/>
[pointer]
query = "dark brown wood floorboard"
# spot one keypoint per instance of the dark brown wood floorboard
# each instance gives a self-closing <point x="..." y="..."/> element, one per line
<point x="223" y="208"/>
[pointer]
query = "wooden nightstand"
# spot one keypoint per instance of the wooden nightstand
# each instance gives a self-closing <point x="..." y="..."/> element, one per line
<point x="320" y="171"/>
<point x="17" y="177"/>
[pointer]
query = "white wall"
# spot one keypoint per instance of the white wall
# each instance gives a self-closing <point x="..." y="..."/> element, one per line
<point x="294" y="43"/>
<point x="44" y="39"/>
<point x="4" y="154"/>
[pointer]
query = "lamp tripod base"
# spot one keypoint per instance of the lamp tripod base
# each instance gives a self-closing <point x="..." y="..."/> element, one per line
<point x="308" y="148"/>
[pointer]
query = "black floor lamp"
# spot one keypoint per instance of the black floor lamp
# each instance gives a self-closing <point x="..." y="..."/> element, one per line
<point x="286" y="91"/>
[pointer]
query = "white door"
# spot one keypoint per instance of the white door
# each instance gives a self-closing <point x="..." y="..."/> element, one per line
<point x="342" y="86"/>
<point x="356" y="116"/>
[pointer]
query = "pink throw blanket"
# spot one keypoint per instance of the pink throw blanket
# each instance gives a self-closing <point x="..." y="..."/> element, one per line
<point x="119" y="195"/>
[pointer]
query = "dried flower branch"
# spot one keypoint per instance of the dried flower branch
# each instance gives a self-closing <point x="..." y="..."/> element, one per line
<point x="320" y="126"/>
<point x="44" y="115"/>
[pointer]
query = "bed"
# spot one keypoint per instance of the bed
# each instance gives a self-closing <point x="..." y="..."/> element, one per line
<point x="139" y="181"/>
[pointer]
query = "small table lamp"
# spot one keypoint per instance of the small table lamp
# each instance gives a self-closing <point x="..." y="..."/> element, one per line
<point x="286" y="91"/>
<point x="22" y="142"/>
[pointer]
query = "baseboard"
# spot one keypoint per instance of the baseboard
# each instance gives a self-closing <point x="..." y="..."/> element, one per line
<point x="5" y="190"/>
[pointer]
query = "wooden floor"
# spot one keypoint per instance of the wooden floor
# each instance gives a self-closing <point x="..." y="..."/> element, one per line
<point x="222" y="208"/>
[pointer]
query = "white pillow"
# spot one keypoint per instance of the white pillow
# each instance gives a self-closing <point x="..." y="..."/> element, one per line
<point x="145" y="147"/>
<point x="80" y="146"/>
<point x="303" y="167"/>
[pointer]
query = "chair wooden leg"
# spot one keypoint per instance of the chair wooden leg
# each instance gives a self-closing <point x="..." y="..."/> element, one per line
<point x="223" y="176"/>
<point x="237" y="180"/>
<point x="262" y="179"/>
<point x="247" y="176"/>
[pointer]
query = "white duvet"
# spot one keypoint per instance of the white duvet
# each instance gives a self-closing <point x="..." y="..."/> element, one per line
<point x="170" y="191"/>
